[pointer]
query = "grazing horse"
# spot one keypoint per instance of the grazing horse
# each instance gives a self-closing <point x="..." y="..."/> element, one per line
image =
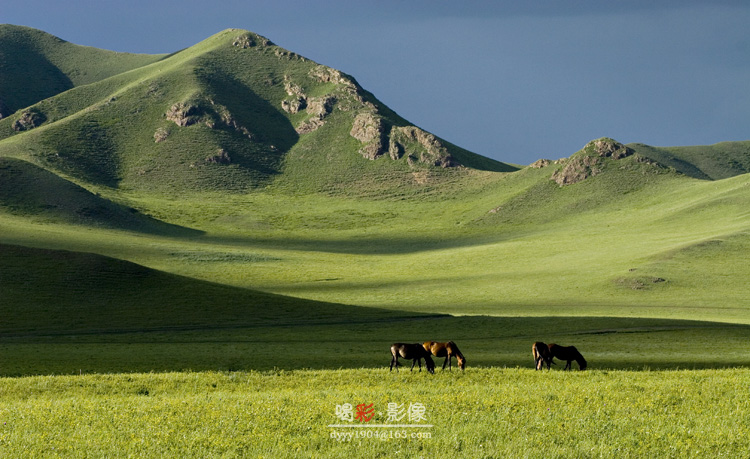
<point x="414" y="352"/>
<point x="542" y="355"/>
<point x="447" y="350"/>
<point x="568" y="353"/>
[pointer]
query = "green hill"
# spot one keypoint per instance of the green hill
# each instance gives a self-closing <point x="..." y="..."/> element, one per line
<point x="712" y="162"/>
<point x="30" y="191"/>
<point x="35" y="65"/>
<point x="231" y="113"/>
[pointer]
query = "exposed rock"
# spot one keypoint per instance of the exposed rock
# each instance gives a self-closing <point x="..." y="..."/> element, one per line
<point x="29" y="119"/>
<point x="310" y="126"/>
<point x="605" y="147"/>
<point x="320" y="106"/>
<point x="328" y="75"/>
<point x="221" y="157"/>
<point x="432" y="151"/>
<point x="243" y="41"/>
<point x="369" y="129"/>
<point x="366" y="127"/>
<point x="183" y="114"/>
<point x="226" y="117"/>
<point x="577" y="169"/>
<point x="590" y="160"/>
<point x="540" y="163"/>
<point x="161" y="135"/>
<point x="294" y="105"/>
<point x="293" y="89"/>
<point x="249" y="40"/>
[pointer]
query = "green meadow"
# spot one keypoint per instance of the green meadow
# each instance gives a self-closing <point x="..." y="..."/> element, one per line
<point x="483" y="412"/>
<point x="188" y="267"/>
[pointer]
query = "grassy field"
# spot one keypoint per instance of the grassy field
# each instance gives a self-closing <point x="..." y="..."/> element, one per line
<point x="487" y="412"/>
<point x="188" y="267"/>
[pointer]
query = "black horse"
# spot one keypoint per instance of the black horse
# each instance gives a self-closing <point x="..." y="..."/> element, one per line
<point x="414" y="352"/>
<point x="568" y="353"/>
<point x="542" y="355"/>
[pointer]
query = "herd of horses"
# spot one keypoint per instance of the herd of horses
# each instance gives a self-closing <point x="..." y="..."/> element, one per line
<point x="543" y="355"/>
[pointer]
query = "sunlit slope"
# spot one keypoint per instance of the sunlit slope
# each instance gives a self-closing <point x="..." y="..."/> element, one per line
<point x="232" y="113"/>
<point x="635" y="239"/>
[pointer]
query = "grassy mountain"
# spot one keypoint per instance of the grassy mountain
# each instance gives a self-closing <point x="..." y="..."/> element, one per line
<point x="35" y="65"/>
<point x="231" y="113"/>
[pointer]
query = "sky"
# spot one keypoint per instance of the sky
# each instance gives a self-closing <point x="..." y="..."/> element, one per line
<point x="512" y="80"/>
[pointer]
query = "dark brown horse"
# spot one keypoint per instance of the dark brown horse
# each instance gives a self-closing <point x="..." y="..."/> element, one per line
<point x="447" y="350"/>
<point x="542" y="355"/>
<point x="414" y="352"/>
<point x="567" y="353"/>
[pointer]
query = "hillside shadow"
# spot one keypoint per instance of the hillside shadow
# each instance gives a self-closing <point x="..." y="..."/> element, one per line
<point x="31" y="191"/>
<point x="29" y="77"/>
<point x="262" y="135"/>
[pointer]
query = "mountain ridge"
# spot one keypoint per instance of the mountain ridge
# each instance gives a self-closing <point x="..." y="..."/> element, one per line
<point x="227" y="113"/>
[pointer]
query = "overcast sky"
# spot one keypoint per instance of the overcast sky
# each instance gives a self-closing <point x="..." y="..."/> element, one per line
<point x="512" y="80"/>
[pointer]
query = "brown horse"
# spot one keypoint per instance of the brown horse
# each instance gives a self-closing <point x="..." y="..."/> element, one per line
<point x="414" y="352"/>
<point x="542" y="355"/>
<point x="568" y="353"/>
<point x="447" y="350"/>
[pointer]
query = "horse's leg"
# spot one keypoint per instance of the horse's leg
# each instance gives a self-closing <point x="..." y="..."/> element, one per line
<point x="446" y="361"/>
<point x="394" y="362"/>
<point x="567" y="367"/>
<point x="537" y="364"/>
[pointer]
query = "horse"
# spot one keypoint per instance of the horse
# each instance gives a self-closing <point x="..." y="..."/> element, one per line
<point x="542" y="355"/>
<point x="568" y="353"/>
<point x="414" y="352"/>
<point x="447" y="350"/>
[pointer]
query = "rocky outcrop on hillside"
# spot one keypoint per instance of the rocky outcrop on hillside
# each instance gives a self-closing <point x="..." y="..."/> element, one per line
<point x="590" y="161"/>
<point x="317" y="107"/>
<point x="29" y="119"/>
<point x="369" y="129"/>
<point x="250" y="40"/>
<point x="183" y="114"/>
<point x="608" y="148"/>
<point x="206" y="111"/>
<point x="417" y="145"/>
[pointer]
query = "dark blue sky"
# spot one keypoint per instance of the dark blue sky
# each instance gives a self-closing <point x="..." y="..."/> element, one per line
<point x="508" y="80"/>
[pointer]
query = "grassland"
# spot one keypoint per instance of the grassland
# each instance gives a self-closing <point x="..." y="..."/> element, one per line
<point x="155" y="302"/>
<point x="487" y="412"/>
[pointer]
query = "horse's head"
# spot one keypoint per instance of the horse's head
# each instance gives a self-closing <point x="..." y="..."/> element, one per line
<point x="582" y="363"/>
<point x="430" y="364"/>
<point x="461" y="362"/>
